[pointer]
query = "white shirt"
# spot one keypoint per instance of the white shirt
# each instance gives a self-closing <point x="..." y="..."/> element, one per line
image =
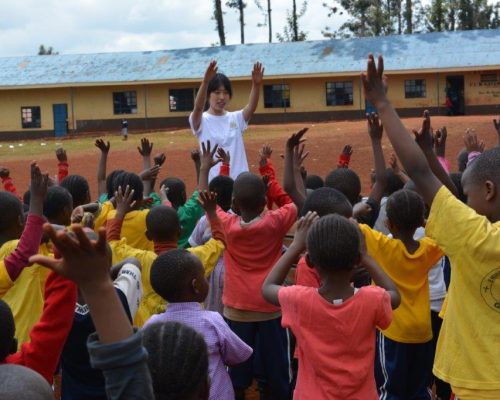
<point x="129" y="281"/>
<point x="226" y="131"/>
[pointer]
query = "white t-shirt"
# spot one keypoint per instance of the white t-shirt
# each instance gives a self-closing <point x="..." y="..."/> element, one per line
<point x="226" y="131"/>
<point x="129" y="281"/>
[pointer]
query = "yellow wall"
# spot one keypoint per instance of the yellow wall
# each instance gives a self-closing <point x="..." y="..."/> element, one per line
<point x="306" y="95"/>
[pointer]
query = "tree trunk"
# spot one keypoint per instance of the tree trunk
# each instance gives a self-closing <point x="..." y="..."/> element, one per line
<point x="241" y="7"/>
<point x="269" y="20"/>
<point x="409" y="17"/>
<point x="219" y="20"/>
<point x="295" y="24"/>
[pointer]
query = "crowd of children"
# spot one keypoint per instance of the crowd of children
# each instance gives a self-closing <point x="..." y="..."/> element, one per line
<point x="154" y="295"/>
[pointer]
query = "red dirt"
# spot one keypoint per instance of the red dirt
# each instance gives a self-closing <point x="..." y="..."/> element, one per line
<point x="325" y="141"/>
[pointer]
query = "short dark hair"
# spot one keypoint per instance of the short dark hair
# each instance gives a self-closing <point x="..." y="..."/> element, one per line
<point x="486" y="167"/>
<point x="217" y="81"/>
<point x="347" y="181"/>
<point x="78" y="186"/>
<point x="7" y="330"/>
<point x="176" y="190"/>
<point x="172" y="273"/>
<point x="394" y="182"/>
<point x="162" y="223"/>
<point x="456" y="178"/>
<point x="325" y="201"/>
<point x="462" y="159"/>
<point x="58" y="199"/>
<point x="250" y="192"/>
<point x="333" y="243"/>
<point x="223" y="186"/>
<point x="133" y="181"/>
<point x="178" y="360"/>
<point x="10" y="211"/>
<point x="314" y="182"/>
<point x="405" y="209"/>
<point x="21" y="383"/>
<point x="110" y="182"/>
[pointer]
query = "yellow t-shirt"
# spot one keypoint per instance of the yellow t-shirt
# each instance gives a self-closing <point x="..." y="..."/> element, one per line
<point x="102" y="216"/>
<point x="151" y="302"/>
<point x="25" y="297"/>
<point x="468" y="348"/>
<point x="134" y="229"/>
<point x="5" y="281"/>
<point x="411" y="322"/>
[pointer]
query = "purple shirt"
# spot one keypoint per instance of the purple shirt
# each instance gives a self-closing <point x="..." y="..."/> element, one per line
<point x="224" y="347"/>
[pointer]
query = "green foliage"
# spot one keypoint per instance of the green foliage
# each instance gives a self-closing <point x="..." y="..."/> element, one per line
<point x="291" y="31"/>
<point x="46" y="51"/>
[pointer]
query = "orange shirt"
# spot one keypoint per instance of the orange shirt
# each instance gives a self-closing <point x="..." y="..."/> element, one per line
<point x="337" y="341"/>
<point x="252" y="249"/>
<point x="306" y="276"/>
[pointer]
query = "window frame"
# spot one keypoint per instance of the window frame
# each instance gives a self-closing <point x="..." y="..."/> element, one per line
<point x="415" y="91"/>
<point x="189" y="107"/>
<point x="275" y="102"/>
<point x="128" y="109"/>
<point x="35" y="122"/>
<point x="330" y="93"/>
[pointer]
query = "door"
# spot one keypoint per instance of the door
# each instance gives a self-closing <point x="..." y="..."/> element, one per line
<point x="455" y="94"/>
<point x="60" y="119"/>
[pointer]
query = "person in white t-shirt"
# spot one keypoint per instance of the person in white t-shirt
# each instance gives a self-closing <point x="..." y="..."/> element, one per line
<point x="222" y="127"/>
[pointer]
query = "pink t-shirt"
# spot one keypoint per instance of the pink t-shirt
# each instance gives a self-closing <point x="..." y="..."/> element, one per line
<point x="306" y="276"/>
<point x="337" y="342"/>
<point x="251" y="252"/>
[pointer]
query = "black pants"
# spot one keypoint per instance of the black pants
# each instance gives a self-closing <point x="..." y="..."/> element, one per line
<point x="443" y="389"/>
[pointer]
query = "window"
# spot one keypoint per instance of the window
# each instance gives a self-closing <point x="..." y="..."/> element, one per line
<point x="277" y="96"/>
<point x="488" y="77"/>
<point x="30" y="117"/>
<point x="125" y="102"/>
<point x="339" y="94"/>
<point x="415" y="88"/>
<point x="181" y="99"/>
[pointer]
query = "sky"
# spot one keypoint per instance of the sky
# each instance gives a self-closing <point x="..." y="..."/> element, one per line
<point x="93" y="26"/>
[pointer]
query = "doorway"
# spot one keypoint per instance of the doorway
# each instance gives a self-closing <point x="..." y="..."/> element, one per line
<point x="60" y="119"/>
<point x="455" y="103"/>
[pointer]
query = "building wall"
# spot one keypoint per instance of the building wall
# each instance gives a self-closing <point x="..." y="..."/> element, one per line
<point x="92" y="107"/>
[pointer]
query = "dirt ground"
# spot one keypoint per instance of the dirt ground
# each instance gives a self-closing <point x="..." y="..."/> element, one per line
<point x="324" y="142"/>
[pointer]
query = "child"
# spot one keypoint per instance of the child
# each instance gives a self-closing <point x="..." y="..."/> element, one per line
<point x="124" y="129"/>
<point x="179" y="278"/>
<point x="467" y="349"/>
<point x="336" y="323"/>
<point x="20" y="383"/>
<point x="221" y="127"/>
<point x="58" y="206"/>
<point x="254" y="243"/>
<point x="79" y="189"/>
<point x="162" y="226"/>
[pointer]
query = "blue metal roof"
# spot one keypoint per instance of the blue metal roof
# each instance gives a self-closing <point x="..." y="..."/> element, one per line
<point x="438" y="50"/>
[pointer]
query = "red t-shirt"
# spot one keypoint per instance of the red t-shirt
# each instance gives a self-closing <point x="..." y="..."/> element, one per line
<point x="337" y="342"/>
<point x="251" y="252"/>
<point x="306" y="276"/>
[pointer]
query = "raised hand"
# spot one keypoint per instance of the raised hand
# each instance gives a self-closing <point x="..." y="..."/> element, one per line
<point x="150" y="174"/>
<point x="299" y="156"/>
<point x="164" y="193"/>
<point x="207" y="155"/>
<point x="124" y="201"/>
<point x="208" y="200"/>
<point x="4" y="173"/>
<point x="257" y="73"/>
<point x="223" y="155"/>
<point x="347" y="150"/>
<point x="83" y="261"/>
<point x="39" y="183"/>
<point x="305" y="223"/>
<point x="424" y="137"/>
<point x="393" y="163"/>
<point x="211" y="71"/>
<point x="103" y="146"/>
<point x="61" y="155"/>
<point x="472" y="143"/>
<point x="265" y="154"/>
<point x="296" y="139"/>
<point x="374" y="81"/>
<point x="145" y="148"/>
<point x="440" y="137"/>
<point x="195" y="155"/>
<point x="159" y="159"/>
<point x="375" y="127"/>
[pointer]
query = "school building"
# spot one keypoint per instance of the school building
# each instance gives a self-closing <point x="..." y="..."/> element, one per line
<point x="43" y="96"/>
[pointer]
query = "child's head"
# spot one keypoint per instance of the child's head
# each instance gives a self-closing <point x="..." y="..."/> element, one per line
<point x="223" y="187"/>
<point x="314" y="182"/>
<point x="481" y="184"/>
<point x="12" y="218"/>
<point x="176" y="191"/>
<point x="58" y="206"/>
<point x="110" y="187"/>
<point x="405" y="211"/>
<point x="462" y="159"/>
<point x="78" y="186"/>
<point x="346" y="181"/>
<point x="325" y="201"/>
<point x="333" y="244"/>
<point x="394" y="182"/>
<point x="249" y="193"/>
<point x="131" y="180"/>
<point x="219" y="92"/>
<point x="178" y="276"/>
<point x="163" y="225"/>
<point x="8" y="343"/>
<point x="21" y="383"/>
<point x="178" y="361"/>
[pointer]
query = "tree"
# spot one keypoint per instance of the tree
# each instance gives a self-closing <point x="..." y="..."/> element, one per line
<point x="240" y="6"/>
<point x="469" y="14"/>
<point x="267" y="17"/>
<point x="291" y="31"/>
<point x="409" y="16"/>
<point x="219" y="21"/>
<point x="436" y="16"/>
<point x="46" y="51"/>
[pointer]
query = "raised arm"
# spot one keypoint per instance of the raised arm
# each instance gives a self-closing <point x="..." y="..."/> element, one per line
<point x="195" y="156"/>
<point x="496" y="124"/>
<point x="375" y="130"/>
<point x="409" y="153"/>
<point x="101" y="169"/>
<point x="201" y="96"/>
<point x="145" y="151"/>
<point x="292" y="171"/>
<point x="393" y="163"/>
<point x="253" y="100"/>
<point x="206" y="162"/>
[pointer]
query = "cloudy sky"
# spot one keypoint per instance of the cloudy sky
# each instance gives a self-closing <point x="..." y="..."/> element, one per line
<point x="89" y="26"/>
